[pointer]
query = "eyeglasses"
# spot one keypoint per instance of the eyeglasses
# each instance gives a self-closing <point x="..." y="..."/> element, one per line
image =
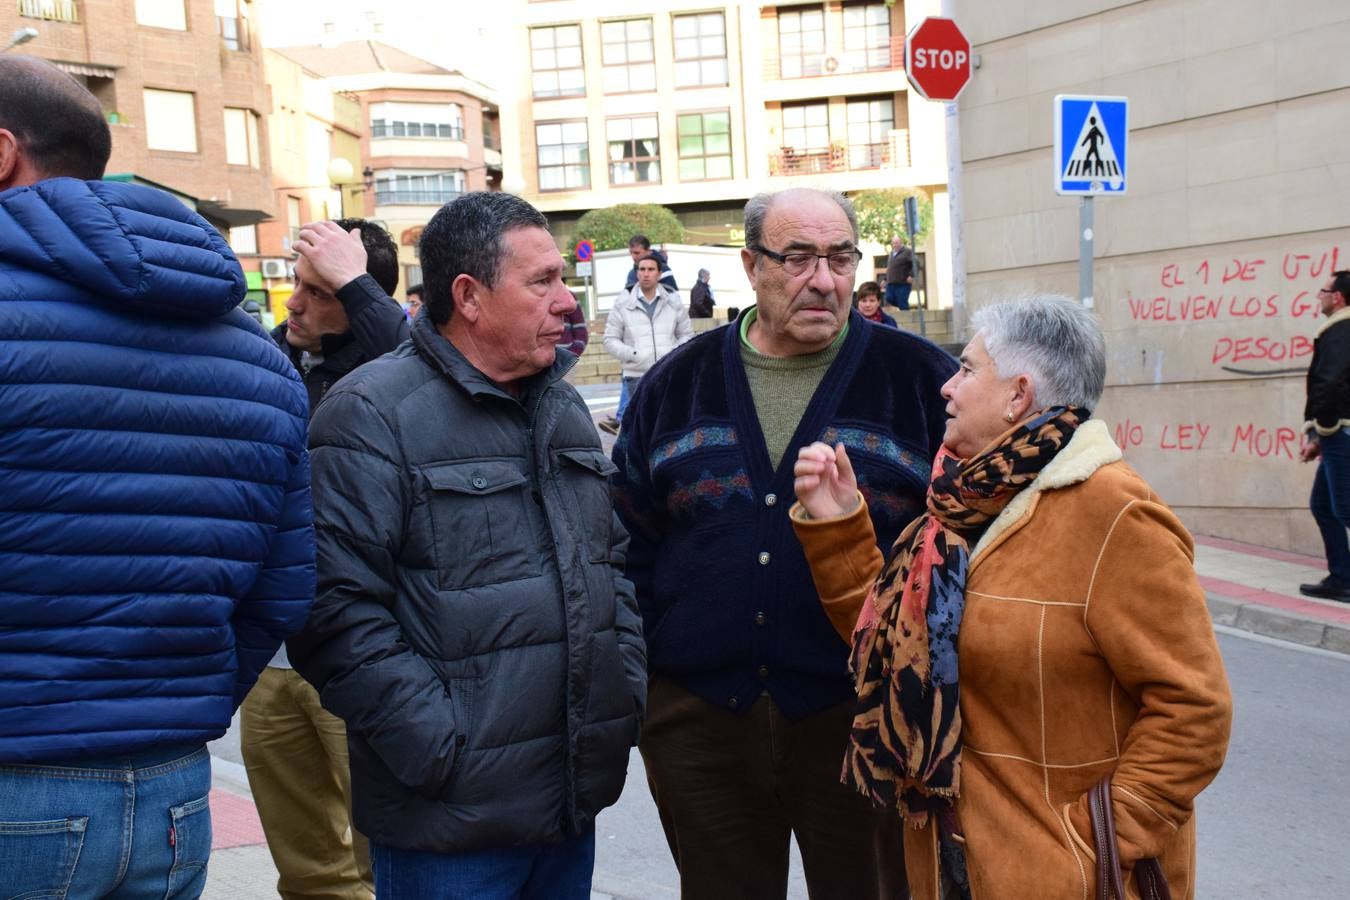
<point x="841" y="262"/>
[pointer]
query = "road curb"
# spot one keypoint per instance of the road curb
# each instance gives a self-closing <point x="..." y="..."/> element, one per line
<point x="1278" y="623"/>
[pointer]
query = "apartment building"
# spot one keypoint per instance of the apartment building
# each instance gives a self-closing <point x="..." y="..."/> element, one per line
<point x="427" y="134"/>
<point x="182" y="84"/>
<point x="698" y="106"/>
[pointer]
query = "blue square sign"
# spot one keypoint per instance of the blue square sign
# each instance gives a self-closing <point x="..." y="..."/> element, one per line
<point x="1090" y="144"/>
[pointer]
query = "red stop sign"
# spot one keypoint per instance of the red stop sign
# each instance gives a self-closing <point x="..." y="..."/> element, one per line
<point x="937" y="59"/>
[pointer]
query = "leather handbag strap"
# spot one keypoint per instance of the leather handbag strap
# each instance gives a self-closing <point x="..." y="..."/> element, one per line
<point x="1110" y="886"/>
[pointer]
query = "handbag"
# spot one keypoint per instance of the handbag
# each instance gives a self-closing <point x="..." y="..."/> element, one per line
<point x="1147" y="872"/>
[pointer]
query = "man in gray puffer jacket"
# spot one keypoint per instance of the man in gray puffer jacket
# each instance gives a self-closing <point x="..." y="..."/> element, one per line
<point x="472" y="626"/>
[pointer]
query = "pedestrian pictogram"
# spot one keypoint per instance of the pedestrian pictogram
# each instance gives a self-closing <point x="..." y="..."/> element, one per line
<point x="1090" y="138"/>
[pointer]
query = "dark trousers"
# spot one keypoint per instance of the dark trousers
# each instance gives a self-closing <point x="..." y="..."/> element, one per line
<point x="732" y="790"/>
<point x="1330" y="502"/>
<point x="897" y="294"/>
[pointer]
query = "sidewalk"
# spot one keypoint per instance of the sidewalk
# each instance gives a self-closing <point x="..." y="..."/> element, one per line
<point x="1256" y="589"/>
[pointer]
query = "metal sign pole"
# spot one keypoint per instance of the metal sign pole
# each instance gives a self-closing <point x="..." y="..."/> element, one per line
<point x="1085" y="252"/>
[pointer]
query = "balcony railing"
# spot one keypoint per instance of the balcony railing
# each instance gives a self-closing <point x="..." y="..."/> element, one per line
<point x="841" y="157"/>
<point x="424" y="198"/>
<point x="416" y="130"/>
<point x="50" y="10"/>
<point x="836" y="61"/>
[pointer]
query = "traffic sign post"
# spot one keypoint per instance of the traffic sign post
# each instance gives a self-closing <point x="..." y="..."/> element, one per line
<point x="1091" y="135"/>
<point x="938" y="59"/>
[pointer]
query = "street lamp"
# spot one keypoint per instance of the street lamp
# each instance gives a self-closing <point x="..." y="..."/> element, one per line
<point x="21" y="36"/>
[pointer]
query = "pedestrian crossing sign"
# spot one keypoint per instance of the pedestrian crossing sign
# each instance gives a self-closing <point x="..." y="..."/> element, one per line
<point x="1090" y="144"/>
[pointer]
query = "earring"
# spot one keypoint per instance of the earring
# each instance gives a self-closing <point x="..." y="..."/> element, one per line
<point x="1008" y="416"/>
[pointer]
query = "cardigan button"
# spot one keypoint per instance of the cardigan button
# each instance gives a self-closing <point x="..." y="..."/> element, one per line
<point x="764" y="559"/>
<point x="770" y="499"/>
<point x="763" y="672"/>
<point x="760" y="618"/>
<point x="734" y="702"/>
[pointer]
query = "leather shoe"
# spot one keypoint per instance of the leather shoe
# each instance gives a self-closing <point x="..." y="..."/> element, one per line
<point x="1327" y="589"/>
<point x="609" y="424"/>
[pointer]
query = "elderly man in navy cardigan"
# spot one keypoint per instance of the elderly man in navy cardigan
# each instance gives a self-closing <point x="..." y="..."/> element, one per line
<point x="751" y="702"/>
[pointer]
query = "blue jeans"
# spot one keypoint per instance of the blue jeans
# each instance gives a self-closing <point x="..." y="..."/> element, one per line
<point x="625" y="394"/>
<point x="129" y="827"/>
<point x="544" y="872"/>
<point x="897" y="294"/>
<point x="1330" y="502"/>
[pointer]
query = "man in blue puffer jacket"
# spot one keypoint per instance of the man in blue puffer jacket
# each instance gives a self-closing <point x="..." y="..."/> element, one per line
<point x="156" y="538"/>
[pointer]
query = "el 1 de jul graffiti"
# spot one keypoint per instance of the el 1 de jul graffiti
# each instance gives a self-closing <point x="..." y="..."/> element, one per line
<point x="1233" y="315"/>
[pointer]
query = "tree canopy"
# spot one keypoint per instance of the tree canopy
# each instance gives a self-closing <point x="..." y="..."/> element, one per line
<point x="611" y="227"/>
<point x="881" y="214"/>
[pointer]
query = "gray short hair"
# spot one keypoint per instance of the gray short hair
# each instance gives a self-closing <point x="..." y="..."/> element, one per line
<point x="757" y="210"/>
<point x="1052" y="339"/>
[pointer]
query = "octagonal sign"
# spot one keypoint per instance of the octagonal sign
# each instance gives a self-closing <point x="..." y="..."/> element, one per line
<point x="937" y="59"/>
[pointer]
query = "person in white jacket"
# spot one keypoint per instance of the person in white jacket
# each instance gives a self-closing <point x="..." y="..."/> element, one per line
<point x="647" y="321"/>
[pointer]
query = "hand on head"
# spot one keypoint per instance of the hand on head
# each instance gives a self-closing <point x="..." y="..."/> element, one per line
<point x="338" y="256"/>
<point x="825" y="483"/>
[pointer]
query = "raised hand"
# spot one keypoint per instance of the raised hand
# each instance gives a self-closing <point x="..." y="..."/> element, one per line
<point x="824" y="481"/>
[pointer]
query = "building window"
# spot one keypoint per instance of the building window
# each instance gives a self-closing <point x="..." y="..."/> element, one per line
<point x="806" y="128"/>
<point x="241" y="138"/>
<point x="417" y="120"/>
<point x="232" y="23"/>
<point x="700" y="50"/>
<point x="629" y="56"/>
<point x="555" y="58"/>
<point x="410" y="186"/>
<point x="293" y="221"/>
<point x="162" y="14"/>
<point x="412" y="275"/>
<point x="244" y="240"/>
<point x="801" y="42"/>
<point x="170" y="121"/>
<point x="705" y="145"/>
<point x="870" y="121"/>
<point x="867" y="37"/>
<point x="564" y="157"/>
<point x="634" y="151"/>
<point x="50" y="10"/>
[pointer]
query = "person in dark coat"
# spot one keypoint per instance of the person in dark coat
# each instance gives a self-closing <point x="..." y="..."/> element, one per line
<point x="157" y="542"/>
<point x="899" y="274"/>
<point x="341" y="317"/>
<point x="472" y="625"/>
<point x="701" y="300"/>
<point x="1327" y="426"/>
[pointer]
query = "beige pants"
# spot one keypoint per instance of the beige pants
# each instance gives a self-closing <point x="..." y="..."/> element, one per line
<point x="296" y="756"/>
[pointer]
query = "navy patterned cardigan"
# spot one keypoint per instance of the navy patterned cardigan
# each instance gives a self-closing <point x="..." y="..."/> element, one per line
<point x="728" y="606"/>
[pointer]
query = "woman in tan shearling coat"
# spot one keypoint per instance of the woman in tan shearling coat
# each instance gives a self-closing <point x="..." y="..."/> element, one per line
<point x="1039" y="628"/>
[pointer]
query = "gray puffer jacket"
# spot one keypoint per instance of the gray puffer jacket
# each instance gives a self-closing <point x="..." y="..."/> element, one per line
<point x="472" y="625"/>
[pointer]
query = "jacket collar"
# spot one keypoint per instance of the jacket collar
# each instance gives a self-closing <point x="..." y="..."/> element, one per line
<point x="340" y="352"/>
<point x="446" y="358"/>
<point x="630" y="297"/>
<point x="1088" y="450"/>
<point x="1335" y="318"/>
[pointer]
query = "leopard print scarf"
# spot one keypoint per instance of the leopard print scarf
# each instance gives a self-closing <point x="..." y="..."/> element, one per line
<point x="905" y="747"/>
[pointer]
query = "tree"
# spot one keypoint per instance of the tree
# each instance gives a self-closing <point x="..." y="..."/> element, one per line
<point x="881" y="214"/>
<point x="611" y="227"/>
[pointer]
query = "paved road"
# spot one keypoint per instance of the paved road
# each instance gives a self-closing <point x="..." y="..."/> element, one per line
<point x="1273" y="825"/>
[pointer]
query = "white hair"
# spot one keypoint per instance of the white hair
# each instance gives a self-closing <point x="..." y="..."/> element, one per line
<point x="1054" y="341"/>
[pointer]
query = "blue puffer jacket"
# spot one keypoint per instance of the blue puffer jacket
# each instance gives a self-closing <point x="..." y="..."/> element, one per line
<point x="156" y="538"/>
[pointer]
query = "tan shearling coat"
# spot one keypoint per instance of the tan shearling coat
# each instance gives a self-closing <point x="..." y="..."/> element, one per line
<point x="1086" y="648"/>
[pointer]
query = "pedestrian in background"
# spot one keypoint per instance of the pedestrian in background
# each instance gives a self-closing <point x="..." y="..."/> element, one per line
<point x="414" y="304"/>
<point x="701" y="300"/>
<point x="472" y="624"/>
<point x="750" y="702"/>
<point x="645" y="323"/>
<point x="1326" y="415"/>
<point x="899" y="274"/>
<point x="640" y="247"/>
<point x="157" y="542"/>
<point x="1041" y="627"/>
<point x="341" y="316"/>
<point x="869" y="304"/>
